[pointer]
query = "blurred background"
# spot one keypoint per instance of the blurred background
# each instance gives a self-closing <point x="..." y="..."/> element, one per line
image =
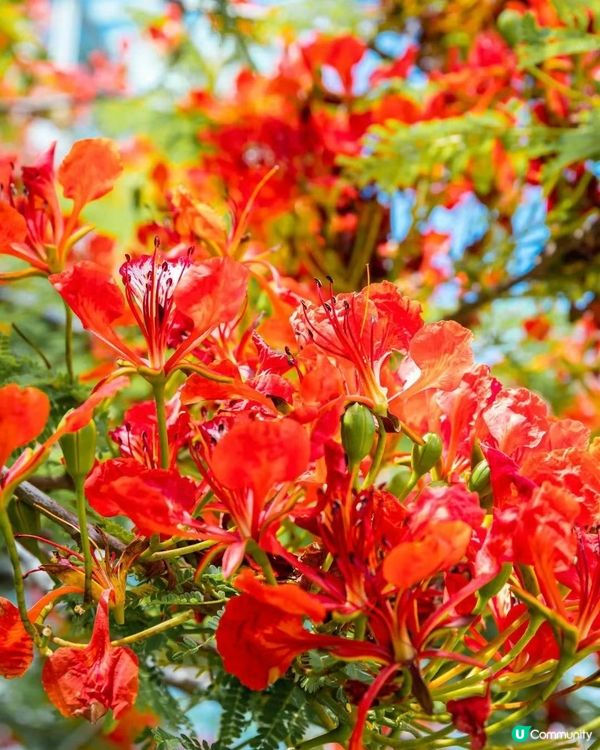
<point x="450" y="146"/>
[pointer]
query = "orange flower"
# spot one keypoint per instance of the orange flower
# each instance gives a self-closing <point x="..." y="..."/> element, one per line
<point x="89" y="681"/>
<point x="89" y="171"/>
<point x="442" y="545"/>
<point x="16" y="645"/>
<point x="33" y="227"/>
<point x="262" y="631"/>
<point x="23" y="413"/>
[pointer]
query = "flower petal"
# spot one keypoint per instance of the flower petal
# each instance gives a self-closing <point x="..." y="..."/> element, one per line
<point x="23" y="413"/>
<point x="89" y="170"/>
<point x="16" y="646"/>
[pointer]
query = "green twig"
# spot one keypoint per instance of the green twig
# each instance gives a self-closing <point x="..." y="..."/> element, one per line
<point x="13" y="555"/>
<point x="69" y="343"/>
<point x="85" y="539"/>
<point x="160" y="628"/>
<point x="158" y="388"/>
<point x="379" y="451"/>
<point x="32" y="344"/>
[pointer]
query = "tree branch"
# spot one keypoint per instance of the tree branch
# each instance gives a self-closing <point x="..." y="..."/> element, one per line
<point x="32" y="496"/>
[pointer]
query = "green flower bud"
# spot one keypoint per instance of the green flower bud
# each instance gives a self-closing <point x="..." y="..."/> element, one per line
<point x="480" y="478"/>
<point x="399" y="481"/>
<point x="511" y="25"/>
<point x="79" y="450"/>
<point x="426" y="456"/>
<point x="358" y="432"/>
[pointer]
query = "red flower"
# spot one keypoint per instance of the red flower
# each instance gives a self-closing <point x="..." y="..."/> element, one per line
<point x="24" y="411"/>
<point x="34" y="228"/>
<point x="137" y="437"/>
<point x="158" y="501"/>
<point x="362" y="329"/>
<point x="16" y="646"/>
<point x="161" y="295"/>
<point x="342" y="53"/>
<point x="469" y="715"/>
<point x="250" y="485"/>
<point x="262" y="631"/>
<point x="89" y="681"/>
<point x="441" y="545"/>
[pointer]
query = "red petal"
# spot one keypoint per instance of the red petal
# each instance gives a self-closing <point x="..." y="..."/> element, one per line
<point x="209" y="293"/>
<point x="287" y="597"/>
<point x="410" y="563"/>
<point x="258" y="643"/>
<point x="23" y="413"/>
<point x="89" y="170"/>
<point x="12" y="227"/>
<point x="442" y="351"/>
<point x="280" y="452"/>
<point x="16" y="646"/>
<point x="158" y="501"/>
<point x="97" y="301"/>
<point x="88" y="682"/>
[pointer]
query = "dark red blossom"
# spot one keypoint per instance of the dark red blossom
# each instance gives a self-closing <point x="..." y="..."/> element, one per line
<point x="470" y="715"/>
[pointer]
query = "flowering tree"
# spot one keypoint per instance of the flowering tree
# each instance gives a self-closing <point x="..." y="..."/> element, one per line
<point x="324" y="498"/>
<point x="298" y="497"/>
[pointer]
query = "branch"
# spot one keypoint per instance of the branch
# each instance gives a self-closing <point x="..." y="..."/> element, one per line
<point x="466" y="309"/>
<point x="581" y="245"/>
<point x="32" y="496"/>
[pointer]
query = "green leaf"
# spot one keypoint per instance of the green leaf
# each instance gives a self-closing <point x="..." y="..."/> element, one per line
<point x="235" y="718"/>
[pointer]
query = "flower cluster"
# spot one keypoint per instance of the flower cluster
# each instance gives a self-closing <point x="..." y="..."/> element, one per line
<point x="360" y="487"/>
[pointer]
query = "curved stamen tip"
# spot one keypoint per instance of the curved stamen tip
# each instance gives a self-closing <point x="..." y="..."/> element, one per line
<point x="156" y="242"/>
<point x="329" y="278"/>
<point x="319" y="283"/>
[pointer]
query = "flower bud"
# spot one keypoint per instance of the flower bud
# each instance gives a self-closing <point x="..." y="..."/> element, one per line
<point x="399" y="481"/>
<point x="480" y="478"/>
<point x="79" y="450"/>
<point x="358" y="432"/>
<point x="510" y="25"/>
<point x="425" y="457"/>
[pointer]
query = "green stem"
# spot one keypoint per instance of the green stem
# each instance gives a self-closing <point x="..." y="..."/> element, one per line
<point x="485" y="674"/>
<point x="13" y="555"/>
<point x="69" y="343"/>
<point x="158" y="388"/>
<point x="85" y="539"/>
<point x="339" y="734"/>
<point x="360" y="628"/>
<point x="160" y="628"/>
<point x="32" y="344"/>
<point x="180" y="551"/>
<point x="379" y="451"/>
<point x="262" y="559"/>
